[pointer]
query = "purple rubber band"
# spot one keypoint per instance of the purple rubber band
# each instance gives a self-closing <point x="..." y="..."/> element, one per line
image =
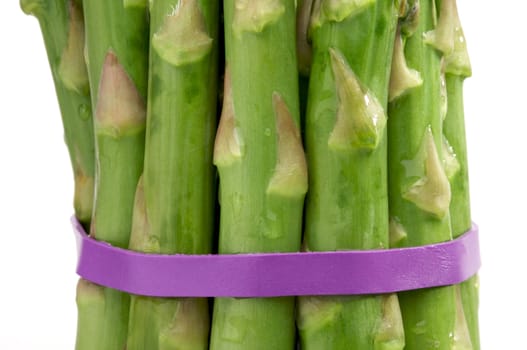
<point x="278" y="274"/>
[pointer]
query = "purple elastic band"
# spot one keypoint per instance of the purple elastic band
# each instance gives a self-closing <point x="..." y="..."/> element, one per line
<point x="278" y="274"/>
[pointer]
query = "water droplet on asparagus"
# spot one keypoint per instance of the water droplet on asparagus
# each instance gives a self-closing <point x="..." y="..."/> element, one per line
<point x="420" y="327"/>
<point x="236" y="328"/>
<point x="84" y="111"/>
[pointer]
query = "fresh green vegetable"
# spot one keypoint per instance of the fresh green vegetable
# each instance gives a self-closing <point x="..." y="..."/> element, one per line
<point x="454" y="131"/>
<point x="261" y="163"/>
<point x="62" y="25"/>
<point x="375" y="182"/>
<point x="347" y="204"/>
<point x="117" y="46"/>
<point x="174" y="210"/>
<point x="420" y="192"/>
<point x="456" y="68"/>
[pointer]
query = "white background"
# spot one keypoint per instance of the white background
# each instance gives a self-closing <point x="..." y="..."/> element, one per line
<point x="37" y="248"/>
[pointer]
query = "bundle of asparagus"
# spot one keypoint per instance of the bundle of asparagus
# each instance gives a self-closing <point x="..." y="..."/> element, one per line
<point x="380" y="106"/>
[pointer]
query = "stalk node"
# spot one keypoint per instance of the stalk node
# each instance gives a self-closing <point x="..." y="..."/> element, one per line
<point x="189" y="328"/>
<point x="141" y="239"/>
<point x="450" y="161"/>
<point x="461" y="337"/>
<point x="402" y="77"/>
<point x="33" y="7"/>
<point x="254" y="16"/>
<point x="72" y="68"/>
<point x="397" y="233"/>
<point x="337" y="10"/>
<point x="360" y="118"/>
<point x="448" y="37"/>
<point x="431" y="192"/>
<point x="290" y="175"/>
<point x="228" y="145"/>
<point x="183" y="38"/>
<point x="120" y="107"/>
<point x="317" y="312"/>
<point x="83" y="195"/>
<point x="409" y="17"/>
<point x="390" y="331"/>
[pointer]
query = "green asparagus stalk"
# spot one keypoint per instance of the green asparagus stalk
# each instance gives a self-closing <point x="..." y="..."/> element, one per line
<point x="420" y="192"/>
<point x="261" y="163"/>
<point x="456" y="68"/>
<point x="347" y="204"/>
<point x="117" y="44"/>
<point x="174" y="210"/>
<point x="62" y="25"/>
<point x="454" y="131"/>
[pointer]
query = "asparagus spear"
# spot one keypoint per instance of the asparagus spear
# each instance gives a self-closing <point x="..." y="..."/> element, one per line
<point x="456" y="68"/>
<point x="347" y="204"/>
<point x="174" y="205"/>
<point x="62" y="25"/>
<point x="261" y="163"/>
<point x="454" y="130"/>
<point x="419" y="188"/>
<point x="117" y="42"/>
